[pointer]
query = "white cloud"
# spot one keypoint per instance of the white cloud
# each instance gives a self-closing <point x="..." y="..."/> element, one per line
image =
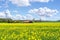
<point x="5" y="13"/>
<point x="33" y="10"/>
<point x="19" y="17"/>
<point x="2" y="15"/>
<point x="44" y="12"/>
<point x="23" y="17"/>
<point x="29" y="17"/>
<point x="21" y="2"/>
<point x="8" y="13"/>
<point x="26" y="2"/>
<point x="40" y="0"/>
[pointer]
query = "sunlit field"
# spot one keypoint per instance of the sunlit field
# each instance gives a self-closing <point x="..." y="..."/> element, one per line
<point x="30" y="31"/>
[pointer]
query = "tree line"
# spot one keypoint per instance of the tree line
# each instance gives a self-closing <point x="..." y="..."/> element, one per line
<point x="9" y="20"/>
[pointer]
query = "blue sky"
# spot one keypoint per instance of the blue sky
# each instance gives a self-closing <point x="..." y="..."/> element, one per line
<point x="30" y="9"/>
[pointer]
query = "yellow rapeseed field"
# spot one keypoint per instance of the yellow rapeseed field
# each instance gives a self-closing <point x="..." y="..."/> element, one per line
<point x="30" y="31"/>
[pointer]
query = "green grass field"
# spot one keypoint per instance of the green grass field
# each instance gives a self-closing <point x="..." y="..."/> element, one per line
<point x="30" y="31"/>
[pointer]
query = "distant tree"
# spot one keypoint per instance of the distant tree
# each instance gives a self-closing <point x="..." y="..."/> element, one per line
<point x="6" y="14"/>
<point x="9" y="20"/>
<point x="59" y="20"/>
<point x="33" y="20"/>
<point x="5" y="20"/>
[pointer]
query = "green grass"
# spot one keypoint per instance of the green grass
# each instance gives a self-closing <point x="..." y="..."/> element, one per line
<point x="30" y="31"/>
